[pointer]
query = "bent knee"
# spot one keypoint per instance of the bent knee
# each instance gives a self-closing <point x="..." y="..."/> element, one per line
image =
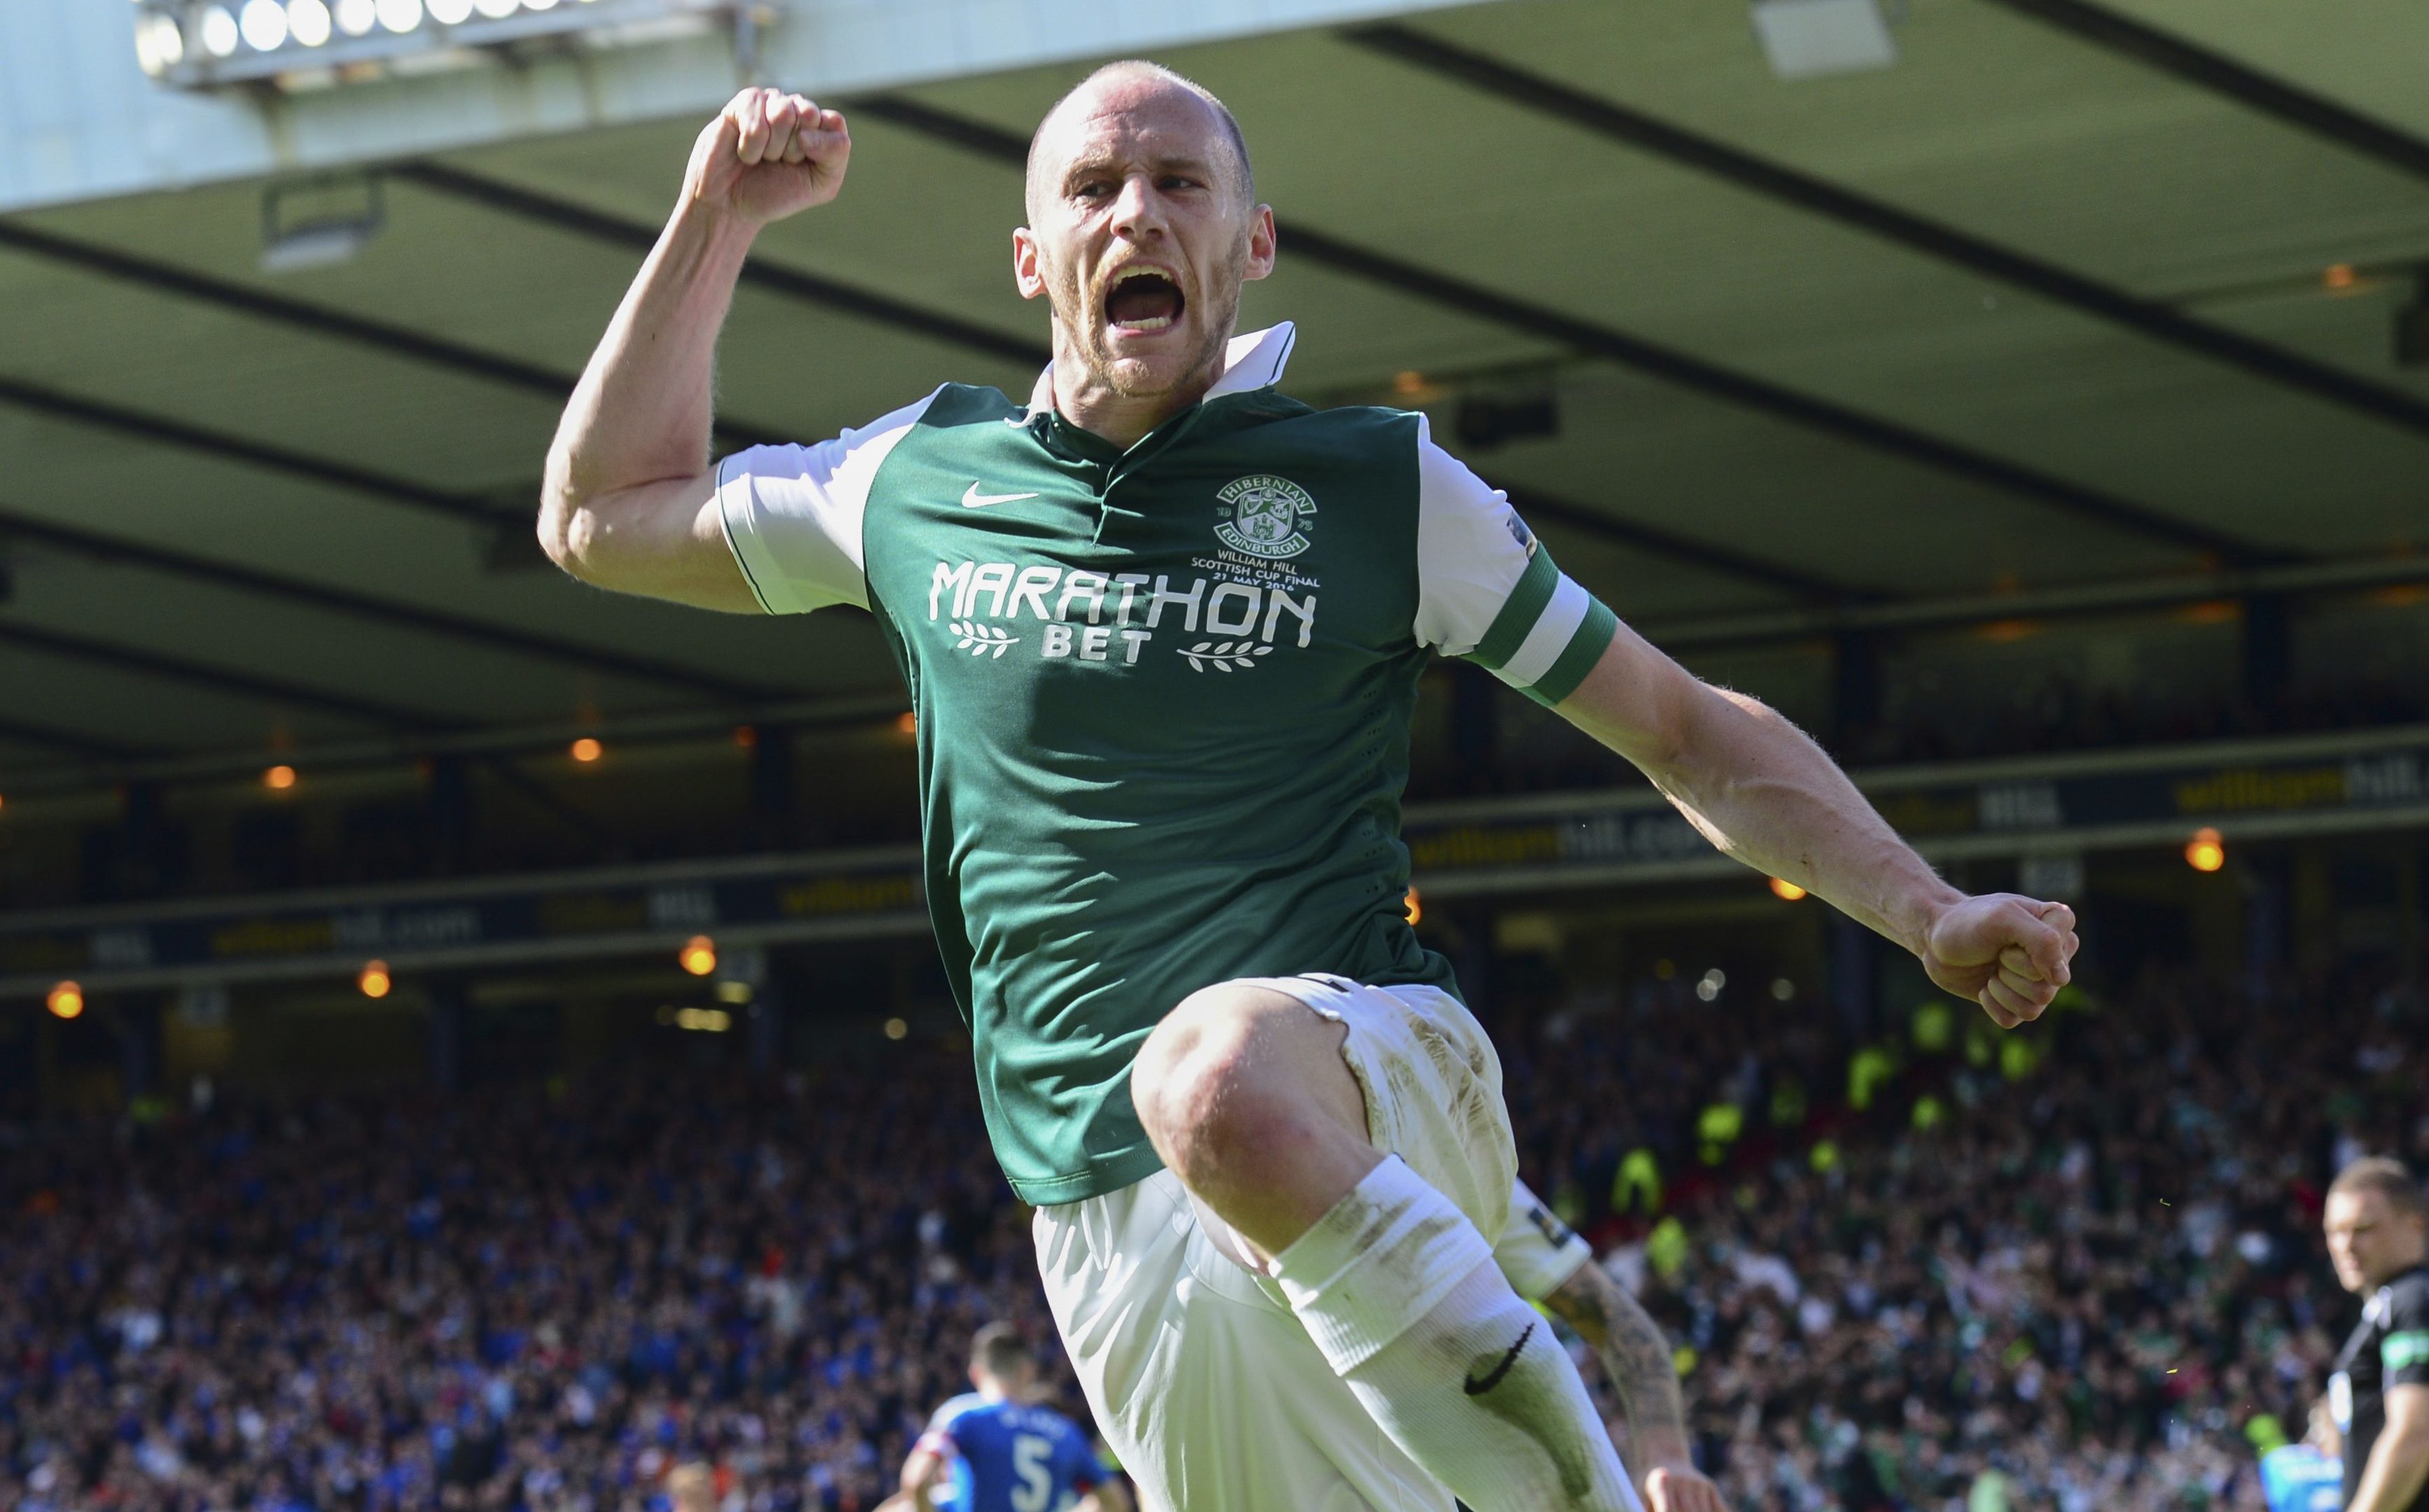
<point x="1235" y="1066"/>
<point x="1203" y="1059"/>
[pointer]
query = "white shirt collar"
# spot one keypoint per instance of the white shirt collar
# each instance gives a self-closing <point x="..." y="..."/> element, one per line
<point x="1250" y="362"/>
<point x="1255" y="360"/>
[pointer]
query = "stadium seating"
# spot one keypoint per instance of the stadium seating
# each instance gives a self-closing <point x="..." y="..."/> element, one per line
<point x="2087" y="1275"/>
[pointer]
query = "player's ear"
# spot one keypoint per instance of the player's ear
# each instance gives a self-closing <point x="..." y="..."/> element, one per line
<point x="1261" y="242"/>
<point x="1026" y="276"/>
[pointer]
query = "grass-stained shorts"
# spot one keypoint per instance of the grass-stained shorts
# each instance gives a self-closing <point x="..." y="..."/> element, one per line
<point x="1201" y="1378"/>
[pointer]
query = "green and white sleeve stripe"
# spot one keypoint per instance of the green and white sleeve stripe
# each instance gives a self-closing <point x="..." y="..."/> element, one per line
<point x="1548" y="635"/>
<point x="2402" y="1351"/>
<point x="1488" y="590"/>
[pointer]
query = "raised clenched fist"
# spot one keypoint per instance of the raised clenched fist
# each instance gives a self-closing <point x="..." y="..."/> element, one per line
<point x="766" y="156"/>
<point x="2007" y="953"/>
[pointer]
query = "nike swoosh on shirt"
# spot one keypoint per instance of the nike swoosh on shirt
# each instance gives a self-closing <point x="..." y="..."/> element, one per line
<point x="1493" y="1378"/>
<point x="972" y="499"/>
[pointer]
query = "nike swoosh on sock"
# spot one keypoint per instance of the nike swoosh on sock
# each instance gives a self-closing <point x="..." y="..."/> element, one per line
<point x="1475" y="1388"/>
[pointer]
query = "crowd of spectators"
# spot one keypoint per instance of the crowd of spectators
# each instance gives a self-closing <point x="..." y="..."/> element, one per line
<point x="2075" y="1268"/>
<point x="2083" y="1273"/>
<point x="541" y="1299"/>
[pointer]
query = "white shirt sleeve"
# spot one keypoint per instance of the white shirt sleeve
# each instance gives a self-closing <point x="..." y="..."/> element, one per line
<point x="793" y="514"/>
<point x="1487" y="589"/>
<point x="1537" y="1253"/>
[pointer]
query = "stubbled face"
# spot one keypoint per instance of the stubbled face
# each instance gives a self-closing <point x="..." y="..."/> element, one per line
<point x="1141" y="236"/>
<point x="2368" y="1241"/>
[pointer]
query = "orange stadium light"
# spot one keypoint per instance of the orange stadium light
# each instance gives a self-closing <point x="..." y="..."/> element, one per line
<point x="587" y="750"/>
<point x="66" y="1000"/>
<point x="279" y="778"/>
<point x="1781" y="887"/>
<point x="2205" y="851"/>
<point x="374" y="980"/>
<point x="698" y="954"/>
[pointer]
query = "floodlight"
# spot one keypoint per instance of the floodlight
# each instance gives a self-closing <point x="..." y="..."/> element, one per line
<point x="308" y="21"/>
<point x="159" y="45"/>
<point x="319" y="223"/>
<point x="1812" y="39"/>
<point x="219" y="31"/>
<point x="211" y="44"/>
<point x="264" y="24"/>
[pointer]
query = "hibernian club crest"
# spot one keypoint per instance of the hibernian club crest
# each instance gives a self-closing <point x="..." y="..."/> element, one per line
<point x="1264" y="515"/>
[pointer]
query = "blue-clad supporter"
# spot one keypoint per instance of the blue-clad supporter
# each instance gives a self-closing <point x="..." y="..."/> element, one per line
<point x="2309" y="1474"/>
<point x="1000" y="1448"/>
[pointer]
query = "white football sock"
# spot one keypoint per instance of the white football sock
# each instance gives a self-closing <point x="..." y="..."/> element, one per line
<point x="1399" y="1291"/>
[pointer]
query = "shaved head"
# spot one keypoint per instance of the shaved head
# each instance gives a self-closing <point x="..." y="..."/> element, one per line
<point x="1142" y="224"/>
<point x="1134" y="72"/>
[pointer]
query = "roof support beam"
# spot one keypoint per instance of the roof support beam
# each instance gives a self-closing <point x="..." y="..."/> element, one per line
<point x="1666" y="363"/>
<point x="2080" y="600"/>
<point x="314" y="319"/>
<point x="1776" y="181"/>
<point x="2220" y="74"/>
<point x="854" y="710"/>
<point x="275" y="692"/>
<point x="1638" y="536"/>
<point x="110" y="549"/>
<point x="1635" y="535"/>
<point x="807" y="287"/>
<point x="161" y="430"/>
<point x="29" y="733"/>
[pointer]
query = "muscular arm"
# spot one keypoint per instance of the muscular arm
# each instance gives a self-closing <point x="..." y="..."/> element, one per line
<point x="1766" y="795"/>
<point x="628" y="501"/>
<point x="1637" y="1358"/>
<point x="2397" y="1466"/>
<point x="1634" y="1355"/>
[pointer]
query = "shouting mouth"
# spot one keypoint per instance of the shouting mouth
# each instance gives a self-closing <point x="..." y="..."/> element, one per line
<point x="1143" y="300"/>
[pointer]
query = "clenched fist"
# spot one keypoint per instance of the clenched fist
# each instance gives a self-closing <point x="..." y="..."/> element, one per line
<point x="2007" y="953"/>
<point x="766" y="156"/>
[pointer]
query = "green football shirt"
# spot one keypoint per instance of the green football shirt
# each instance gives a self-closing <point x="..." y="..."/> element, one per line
<point x="1164" y="698"/>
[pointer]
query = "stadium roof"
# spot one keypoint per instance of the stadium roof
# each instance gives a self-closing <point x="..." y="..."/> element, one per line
<point x="2069" y="294"/>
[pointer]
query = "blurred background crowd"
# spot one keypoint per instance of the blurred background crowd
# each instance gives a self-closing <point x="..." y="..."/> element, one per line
<point x="1925" y="1266"/>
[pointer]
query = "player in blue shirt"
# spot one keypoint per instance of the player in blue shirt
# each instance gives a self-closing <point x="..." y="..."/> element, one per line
<point x="996" y="1451"/>
<point x="2306" y="1476"/>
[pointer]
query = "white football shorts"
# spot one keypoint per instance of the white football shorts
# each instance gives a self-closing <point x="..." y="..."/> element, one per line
<point x="1203" y="1381"/>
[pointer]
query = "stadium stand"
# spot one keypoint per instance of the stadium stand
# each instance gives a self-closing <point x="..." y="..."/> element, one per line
<point x="2082" y="1275"/>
